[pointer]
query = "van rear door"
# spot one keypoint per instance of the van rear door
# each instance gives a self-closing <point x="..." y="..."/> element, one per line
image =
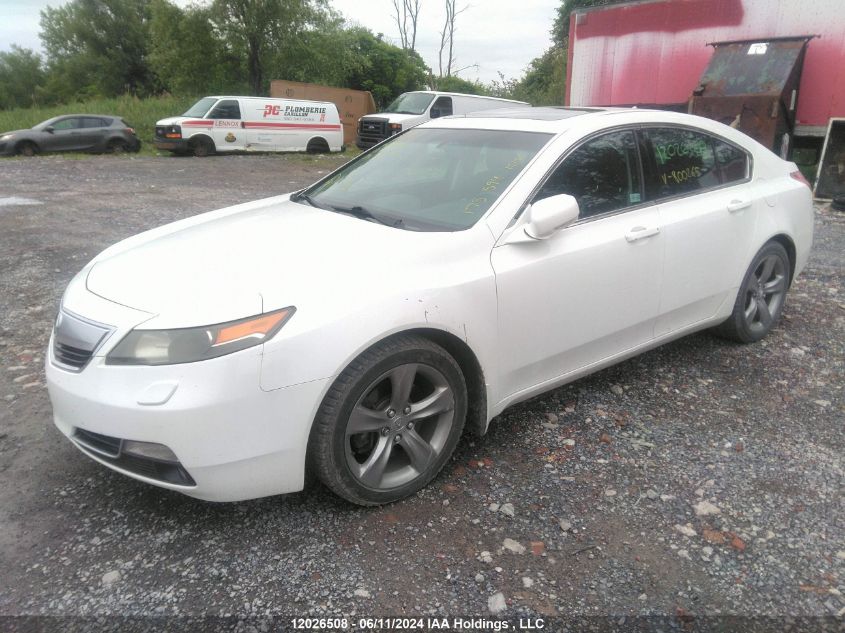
<point x="228" y="132"/>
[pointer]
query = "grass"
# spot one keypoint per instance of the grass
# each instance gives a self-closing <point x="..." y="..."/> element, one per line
<point x="141" y="114"/>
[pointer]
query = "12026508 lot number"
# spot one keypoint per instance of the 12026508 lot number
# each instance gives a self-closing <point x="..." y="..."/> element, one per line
<point x="320" y="624"/>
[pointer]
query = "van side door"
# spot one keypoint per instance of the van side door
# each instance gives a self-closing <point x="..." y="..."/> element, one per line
<point x="228" y="131"/>
<point x="261" y="119"/>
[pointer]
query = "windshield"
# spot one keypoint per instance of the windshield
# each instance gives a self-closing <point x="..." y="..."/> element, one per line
<point x="201" y="107"/>
<point x="429" y="179"/>
<point x="410" y="103"/>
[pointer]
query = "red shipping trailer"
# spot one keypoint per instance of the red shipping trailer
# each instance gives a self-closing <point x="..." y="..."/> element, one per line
<point x="656" y="53"/>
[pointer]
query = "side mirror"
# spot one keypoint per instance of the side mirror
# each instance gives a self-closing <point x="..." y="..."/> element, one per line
<point x="434" y="114"/>
<point x="547" y="216"/>
<point x="49" y="129"/>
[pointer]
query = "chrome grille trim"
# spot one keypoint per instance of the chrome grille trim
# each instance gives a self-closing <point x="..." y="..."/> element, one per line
<point x="76" y="340"/>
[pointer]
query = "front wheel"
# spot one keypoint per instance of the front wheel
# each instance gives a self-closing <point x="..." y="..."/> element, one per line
<point x="759" y="303"/>
<point x="26" y="149"/>
<point x="202" y="147"/>
<point x="390" y="421"/>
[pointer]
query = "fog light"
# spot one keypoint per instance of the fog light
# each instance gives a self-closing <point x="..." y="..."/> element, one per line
<point x="149" y="450"/>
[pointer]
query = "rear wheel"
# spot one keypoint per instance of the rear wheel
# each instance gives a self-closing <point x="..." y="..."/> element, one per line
<point x="26" y="148"/>
<point x="317" y="146"/>
<point x="202" y="147"/>
<point x="390" y="421"/>
<point x="117" y="146"/>
<point x="759" y="303"/>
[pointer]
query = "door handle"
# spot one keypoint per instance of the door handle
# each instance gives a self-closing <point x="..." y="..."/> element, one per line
<point x="641" y="232"/>
<point x="738" y="205"/>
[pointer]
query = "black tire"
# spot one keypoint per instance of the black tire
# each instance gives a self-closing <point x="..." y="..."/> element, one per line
<point x="317" y="146"/>
<point x="202" y="147"/>
<point x="761" y="296"/>
<point x="117" y="146"/>
<point x="367" y="467"/>
<point x="26" y="148"/>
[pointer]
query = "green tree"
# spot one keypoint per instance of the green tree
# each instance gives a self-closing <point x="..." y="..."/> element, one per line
<point x="544" y="81"/>
<point x="456" y="84"/>
<point x="97" y="47"/>
<point x="21" y="78"/>
<point x="186" y="54"/>
<point x="384" y="69"/>
<point x="259" y="30"/>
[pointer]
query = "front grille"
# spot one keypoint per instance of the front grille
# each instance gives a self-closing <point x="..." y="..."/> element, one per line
<point x="76" y="339"/>
<point x="371" y="131"/>
<point x="72" y="356"/>
<point x="108" y="449"/>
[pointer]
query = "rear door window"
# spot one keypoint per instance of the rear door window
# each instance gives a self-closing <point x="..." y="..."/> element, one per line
<point x="684" y="162"/>
<point x="91" y="122"/>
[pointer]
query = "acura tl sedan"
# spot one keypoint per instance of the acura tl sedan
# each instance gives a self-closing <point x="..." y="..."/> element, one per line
<point x="72" y="133"/>
<point x="358" y="328"/>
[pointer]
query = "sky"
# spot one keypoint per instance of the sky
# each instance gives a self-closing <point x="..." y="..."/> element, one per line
<point x="496" y="35"/>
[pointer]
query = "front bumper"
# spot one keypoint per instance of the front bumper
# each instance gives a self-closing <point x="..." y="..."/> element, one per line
<point x="234" y="440"/>
<point x="179" y="145"/>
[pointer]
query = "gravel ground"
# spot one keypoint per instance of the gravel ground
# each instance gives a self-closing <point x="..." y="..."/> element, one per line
<point x="701" y="479"/>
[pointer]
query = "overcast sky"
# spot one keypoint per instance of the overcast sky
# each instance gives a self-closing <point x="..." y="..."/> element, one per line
<point x="495" y="35"/>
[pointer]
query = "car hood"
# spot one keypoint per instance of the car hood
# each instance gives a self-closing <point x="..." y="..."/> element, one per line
<point x="262" y="256"/>
<point x="16" y="132"/>
<point x="174" y="120"/>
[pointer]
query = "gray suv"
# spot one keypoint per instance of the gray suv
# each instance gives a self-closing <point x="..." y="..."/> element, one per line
<point x="72" y="133"/>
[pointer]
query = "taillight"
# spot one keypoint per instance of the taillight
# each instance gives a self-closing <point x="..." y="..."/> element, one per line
<point x="131" y="130"/>
<point x="797" y="175"/>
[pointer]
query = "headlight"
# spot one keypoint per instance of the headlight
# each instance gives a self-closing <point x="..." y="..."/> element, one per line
<point x="187" y="345"/>
<point x="5" y="137"/>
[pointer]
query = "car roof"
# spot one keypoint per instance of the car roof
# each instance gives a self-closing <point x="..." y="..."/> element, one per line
<point x="558" y="120"/>
<point x="546" y="113"/>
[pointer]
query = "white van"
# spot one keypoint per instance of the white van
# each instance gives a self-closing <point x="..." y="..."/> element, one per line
<point x="252" y="124"/>
<point x="412" y="108"/>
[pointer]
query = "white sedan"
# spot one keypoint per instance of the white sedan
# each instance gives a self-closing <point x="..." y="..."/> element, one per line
<point x="357" y="328"/>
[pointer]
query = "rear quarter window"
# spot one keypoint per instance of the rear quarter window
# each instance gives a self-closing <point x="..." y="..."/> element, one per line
<point x="732" y="161"/>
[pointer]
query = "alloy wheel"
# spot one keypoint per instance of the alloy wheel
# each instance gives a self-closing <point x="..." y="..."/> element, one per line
<point x="399" y="426"/>
<point x="764" y="293"/>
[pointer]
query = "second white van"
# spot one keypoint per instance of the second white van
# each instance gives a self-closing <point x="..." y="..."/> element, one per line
<point x="412" y="108"/>
<point x="253" y="124"/>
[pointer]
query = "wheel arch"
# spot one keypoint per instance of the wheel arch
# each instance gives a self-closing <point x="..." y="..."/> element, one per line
<point x="476" y="421"/>
<point x="27" y="141"/>
<point x="784" y="240"/>
<point x="463" y="354"/>
<point x="201" y="137"/>
<point x="318" y="139"/>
